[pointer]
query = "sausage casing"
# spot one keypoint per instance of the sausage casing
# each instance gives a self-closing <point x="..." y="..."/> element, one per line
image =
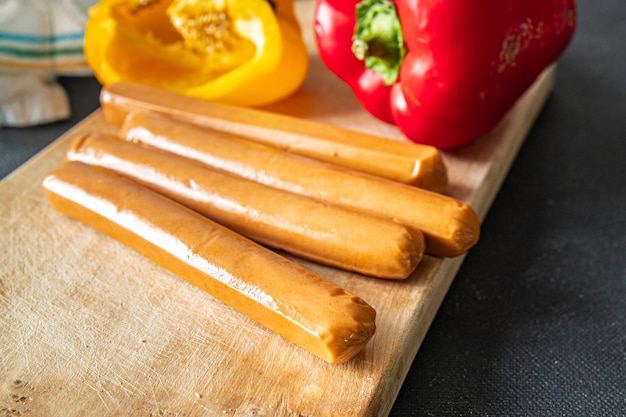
<point x="404" y="162"/>
<point x="314" y="230"/>
<point x="450" y="226"/>
<point x="283" y="296"/>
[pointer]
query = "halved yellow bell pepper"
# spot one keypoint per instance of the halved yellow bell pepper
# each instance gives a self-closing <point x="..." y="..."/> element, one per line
<point x="243" y="52"/>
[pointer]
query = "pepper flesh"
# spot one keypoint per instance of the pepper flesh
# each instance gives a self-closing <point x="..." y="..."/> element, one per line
<point x="464" y="65"/>
<point x="242" y="52"/>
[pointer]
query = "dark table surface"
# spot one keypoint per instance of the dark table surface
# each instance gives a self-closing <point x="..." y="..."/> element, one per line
<point x="535" y="321"/>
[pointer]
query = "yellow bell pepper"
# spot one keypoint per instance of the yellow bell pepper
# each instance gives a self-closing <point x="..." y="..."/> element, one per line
<point x="243" y="52"/>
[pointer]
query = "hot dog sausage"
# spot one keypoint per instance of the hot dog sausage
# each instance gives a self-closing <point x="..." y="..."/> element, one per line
<point x="313" y="230"/>
<point x="405" y="162"/>
<point x="450" y="227"/>
<point x="288" y="299"/>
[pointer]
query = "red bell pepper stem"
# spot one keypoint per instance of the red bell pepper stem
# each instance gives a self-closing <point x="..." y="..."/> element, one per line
<point x="334" y="25"/>
<point x="378" y="40"/>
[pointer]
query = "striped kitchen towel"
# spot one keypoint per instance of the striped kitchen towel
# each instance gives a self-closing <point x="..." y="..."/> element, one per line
<point x="39" y="41"/>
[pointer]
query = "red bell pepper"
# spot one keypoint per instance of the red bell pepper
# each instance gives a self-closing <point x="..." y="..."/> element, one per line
<point x="444" y="71"/>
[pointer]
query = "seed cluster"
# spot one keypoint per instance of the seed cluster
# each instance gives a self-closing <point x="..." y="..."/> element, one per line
<point x="209" y="32"/>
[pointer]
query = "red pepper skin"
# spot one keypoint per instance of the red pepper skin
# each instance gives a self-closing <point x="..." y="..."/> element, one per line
<point x="467" y="62"/>
<point x="334" y="27"/>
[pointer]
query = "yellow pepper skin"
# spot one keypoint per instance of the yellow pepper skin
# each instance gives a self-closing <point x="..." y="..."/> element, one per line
<point x="241" y="52"/>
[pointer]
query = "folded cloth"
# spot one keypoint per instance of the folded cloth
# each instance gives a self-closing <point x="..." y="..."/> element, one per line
<point x="39" y="41"/>
<point x="30" y="99"/>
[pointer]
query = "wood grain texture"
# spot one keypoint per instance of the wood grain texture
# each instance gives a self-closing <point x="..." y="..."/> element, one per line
<point x="91" y="328"/>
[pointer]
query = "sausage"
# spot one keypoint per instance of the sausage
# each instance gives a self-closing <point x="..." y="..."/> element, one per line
<point x="410" y="163"/>
<point x="305" y="227"/>
<point x="283" y="296"/>
<point x="450" y="227"/>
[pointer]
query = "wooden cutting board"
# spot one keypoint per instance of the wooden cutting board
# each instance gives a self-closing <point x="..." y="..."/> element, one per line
<point x="90" y="328"/>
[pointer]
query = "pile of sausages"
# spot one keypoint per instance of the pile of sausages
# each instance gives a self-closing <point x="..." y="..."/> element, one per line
<point x="207" y="190"/>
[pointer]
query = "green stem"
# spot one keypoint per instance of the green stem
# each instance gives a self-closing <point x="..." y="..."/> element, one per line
<point x="378" y="39"/>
